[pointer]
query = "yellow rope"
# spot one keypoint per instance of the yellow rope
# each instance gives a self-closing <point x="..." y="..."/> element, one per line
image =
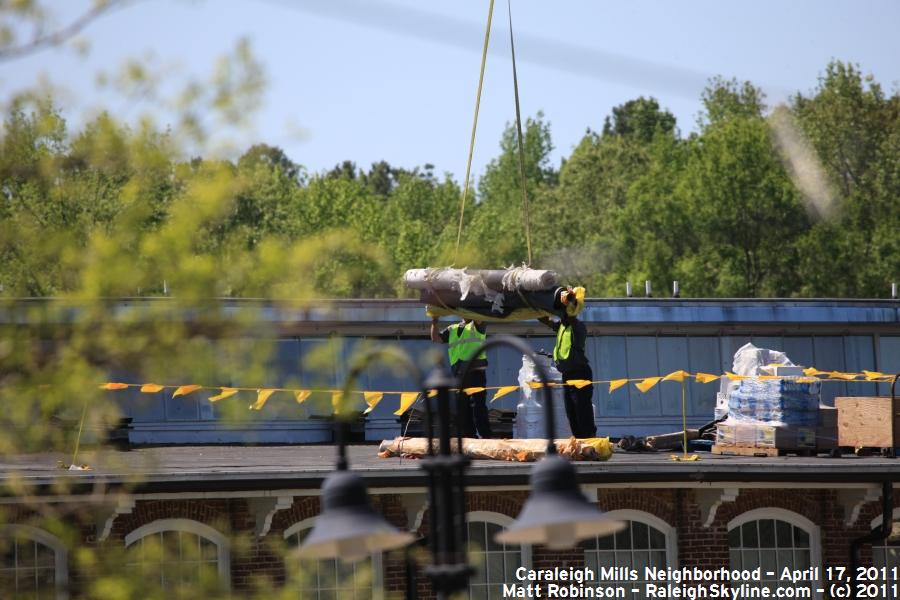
<point x="521" y="141"/>
<point x="80" y="429"/>
<point x="462" y="203"/>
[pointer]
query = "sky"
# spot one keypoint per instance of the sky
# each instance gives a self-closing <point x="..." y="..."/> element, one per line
<point x="395" y="80"/>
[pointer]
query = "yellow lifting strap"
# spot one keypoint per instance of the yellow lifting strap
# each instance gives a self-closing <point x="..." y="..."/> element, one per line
<point x="462" y="203"/>
<point x="521" y="141"/>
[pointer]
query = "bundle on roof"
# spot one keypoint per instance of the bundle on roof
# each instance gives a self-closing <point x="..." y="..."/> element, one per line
<point x="513" y="294"/>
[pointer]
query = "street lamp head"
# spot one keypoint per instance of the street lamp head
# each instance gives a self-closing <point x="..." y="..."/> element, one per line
<point x="557" y="514"/>
<point x="347" y="527"/>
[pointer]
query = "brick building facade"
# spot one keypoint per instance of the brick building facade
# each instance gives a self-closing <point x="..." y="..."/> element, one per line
<point x="708" y="524"/>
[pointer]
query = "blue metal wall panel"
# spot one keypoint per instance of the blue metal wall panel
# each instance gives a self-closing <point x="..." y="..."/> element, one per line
<point x="829" y="356"/>
<point x="800" y="350"/>
<point x="859" y="354"/>
<point x="611" y="356"/>
<point x="703" y="356"/>
<point x="889" y="355"/>
<point x="611" y="362"/>
<point x="318" y="370"/>
<point x="769" y="342"/>
<point x="386" y="377"/>
<point x="642" y="362"/>
<point x="673" y="356"/>
<point x="728" y="345"/>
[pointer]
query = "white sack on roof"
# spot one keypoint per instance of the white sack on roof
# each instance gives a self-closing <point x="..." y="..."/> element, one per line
<point x="749" y="360"/>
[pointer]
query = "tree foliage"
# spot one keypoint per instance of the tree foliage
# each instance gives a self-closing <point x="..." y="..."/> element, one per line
<point x="721" y="210"/>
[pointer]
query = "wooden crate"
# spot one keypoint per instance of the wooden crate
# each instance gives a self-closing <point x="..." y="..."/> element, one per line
<point x="868" y="421"/>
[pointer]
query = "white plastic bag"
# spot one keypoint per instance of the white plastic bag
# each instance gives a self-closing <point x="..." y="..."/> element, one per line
<point x="530" y="417"/>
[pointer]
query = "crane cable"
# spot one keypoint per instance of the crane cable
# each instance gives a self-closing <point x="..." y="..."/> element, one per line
<point x="462" y="204"/>
<point x="521" y="143"/>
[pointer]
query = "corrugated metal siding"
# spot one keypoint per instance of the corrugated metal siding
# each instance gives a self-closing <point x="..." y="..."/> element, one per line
<point x="630" y="338"/>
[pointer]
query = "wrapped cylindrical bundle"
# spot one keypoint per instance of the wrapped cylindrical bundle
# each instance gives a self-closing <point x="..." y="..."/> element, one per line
<point x="446" y="278"/>
<point x="517" y="450"/>
<point x="499" y="305"/>
<point x="517" y="293"/>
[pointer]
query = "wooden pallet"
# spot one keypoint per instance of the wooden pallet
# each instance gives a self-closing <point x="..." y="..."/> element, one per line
<point x="760" y="451"/>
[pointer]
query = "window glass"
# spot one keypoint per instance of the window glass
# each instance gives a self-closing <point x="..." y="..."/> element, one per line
<point x="175" y="560"/>
<point x="27" y="568"/>
<point x="637" y="546"/>
<point x="771" y="545"/>
<point x="333" y="579"/>
<point x="887" y="556"/>
<point x="495" y="564"/>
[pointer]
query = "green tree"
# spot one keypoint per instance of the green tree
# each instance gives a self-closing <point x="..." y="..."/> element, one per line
<point x="498" y="220"/>
<point x="745" y="212"/>
<point x="640" y="118"/>
<point x="853" y="127"/>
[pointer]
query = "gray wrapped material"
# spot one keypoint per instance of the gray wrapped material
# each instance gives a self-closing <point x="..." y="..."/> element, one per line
<point x="481" y="282"/>
<point x="500" y="294"/>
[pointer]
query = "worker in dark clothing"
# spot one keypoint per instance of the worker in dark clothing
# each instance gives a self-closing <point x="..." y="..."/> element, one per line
<point x="572" y="363"/>
<point x="462" y="340"/>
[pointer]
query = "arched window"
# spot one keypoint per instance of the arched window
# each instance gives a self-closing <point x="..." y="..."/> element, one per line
<point x="332" y="578"/>
<point x="179" y="552"/>
<point x="495" y="564"/>
<point x="774" y="539"/>
<point x="646" y="541"/>
<point x="887" y="555"/>
<point x="33" y="563"/>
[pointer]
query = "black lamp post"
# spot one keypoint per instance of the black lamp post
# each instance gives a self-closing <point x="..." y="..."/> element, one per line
<point x="556" y="514"/>
<point x="449" y="571"/>
<point x="348" y="527"/>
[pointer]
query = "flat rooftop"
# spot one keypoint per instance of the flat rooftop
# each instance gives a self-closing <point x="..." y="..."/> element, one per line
<point x="246" y="468"/>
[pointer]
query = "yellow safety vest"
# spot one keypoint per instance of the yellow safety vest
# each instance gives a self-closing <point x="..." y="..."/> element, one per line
<point x="463" y="341"/>
<point x="563" y="343"/>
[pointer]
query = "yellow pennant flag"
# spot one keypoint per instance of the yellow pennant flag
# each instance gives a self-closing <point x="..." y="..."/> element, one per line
<point x="113" y="386"/>
<point x="647" y="384"/>
<point x="768" y="377"/>
<point x="261" y="397"/>
<point x="225" y="393"/>
<point x="472" y="390"/>
<point x="302" y="395"/>
<point x="407" y="399"/>
<point x="372" y="399"/>
<point x="812" y="371"/>
<point x="337" y="399"/>
<point x="706" y="377"/>
<point x="733" y="377"/>
<point x="535" y="385"/>
<point x="579" y="383"/>
<point x="870" y="375"/>
<point x="507" y="389"/>
<point x="616" y="384"/>
<point x="432" y="393"/>
<point x="677" y="376"/>
<point x="844" y="376"/>
<point x="184" y="390"/>
<point x="152" y="388"/>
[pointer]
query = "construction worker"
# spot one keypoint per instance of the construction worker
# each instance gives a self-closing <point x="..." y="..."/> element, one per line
<point x="572" y="363"/>
<point x="462" y="340"/>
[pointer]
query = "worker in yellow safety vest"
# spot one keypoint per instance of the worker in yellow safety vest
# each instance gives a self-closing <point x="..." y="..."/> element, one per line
<point x="462" y="340"/>
<point x="572" y="363"/>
